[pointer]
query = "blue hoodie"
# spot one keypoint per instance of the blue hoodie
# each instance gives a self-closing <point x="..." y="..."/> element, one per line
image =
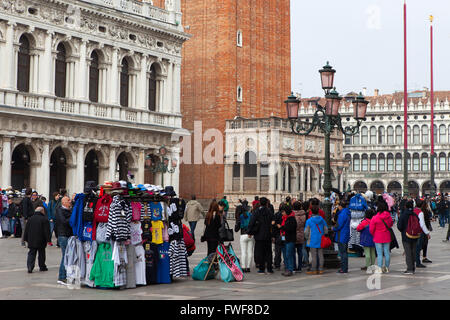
<point x="315" y="237"/>
<point x="342" y="229"/>
<point x="76" y="219"/>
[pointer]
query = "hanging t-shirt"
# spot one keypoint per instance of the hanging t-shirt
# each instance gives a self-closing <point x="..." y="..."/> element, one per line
<point x="146" y="226"/>
<point x="163" y="272"/>
<point x="156" y="210"/>
<point x="151" y="263"/>
<point x="102" y="272"/>
<point x="101" y="232"/>
<point x="157" y="232"/>
<point x="136" y="232"/>
<point x="139" y="265"/>
<point x="119" y="257"/>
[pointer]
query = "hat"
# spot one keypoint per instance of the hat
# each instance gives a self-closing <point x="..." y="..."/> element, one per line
<point x="169" y="191"/>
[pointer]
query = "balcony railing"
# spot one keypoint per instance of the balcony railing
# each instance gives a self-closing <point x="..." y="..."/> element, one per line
<point x="144" y="9"/>
<point x="87" y="109"/>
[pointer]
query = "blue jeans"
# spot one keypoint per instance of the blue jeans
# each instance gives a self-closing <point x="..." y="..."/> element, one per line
<point x="342" y="247"/>
<point x="383" y="248"/>
<point x="299" y="249"/>
<point x="62" y="269"/>
<point x="442" y="219"/>
<point x="192" y="225"/>
<point x="288" y="250"/>
<point x="12" y="224"/>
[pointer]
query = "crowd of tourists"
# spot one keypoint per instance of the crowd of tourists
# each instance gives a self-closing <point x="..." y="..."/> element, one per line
<point x="297" y="232"/>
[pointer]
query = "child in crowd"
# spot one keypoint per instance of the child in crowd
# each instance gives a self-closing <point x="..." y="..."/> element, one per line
<point x="366" y="241"/>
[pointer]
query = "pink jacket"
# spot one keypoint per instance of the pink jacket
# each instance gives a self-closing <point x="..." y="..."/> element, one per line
<point x="377" y="228"/>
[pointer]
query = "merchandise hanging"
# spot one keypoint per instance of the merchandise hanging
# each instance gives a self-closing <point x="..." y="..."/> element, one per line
<point x="126" y="236"/>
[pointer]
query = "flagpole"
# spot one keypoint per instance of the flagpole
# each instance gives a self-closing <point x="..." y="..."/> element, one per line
<point x="405" y="116"/>
<point x="433" y="155"/>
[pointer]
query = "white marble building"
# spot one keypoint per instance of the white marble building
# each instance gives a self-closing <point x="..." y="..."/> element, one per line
<point x="264" y="158"/>
<point x="88" y="91"/>
<point x="375" y="156"/>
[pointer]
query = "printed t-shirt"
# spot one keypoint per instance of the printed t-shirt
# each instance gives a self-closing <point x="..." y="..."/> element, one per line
<point x="151" y="262"/>
<point x="157" y="232"/>
<point x="139" y="265"/>
<point x="136" y="232"/>
<point x="156" y="210"/>
<point x="163" y="272"/>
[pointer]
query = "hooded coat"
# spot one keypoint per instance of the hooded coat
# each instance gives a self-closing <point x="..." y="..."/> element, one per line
<point x="380" y="233"/>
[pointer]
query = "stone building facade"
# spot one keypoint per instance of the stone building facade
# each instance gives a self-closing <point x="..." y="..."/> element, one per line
<point x="264" y="158"/>
<point x="89" y="90"/>
<point x="375" y="155"/>
<point x="237" y="63"/>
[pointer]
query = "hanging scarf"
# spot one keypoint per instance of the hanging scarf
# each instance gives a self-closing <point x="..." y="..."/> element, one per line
<point x="283" y="222"/>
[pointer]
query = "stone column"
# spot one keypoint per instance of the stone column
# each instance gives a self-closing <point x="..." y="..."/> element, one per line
<point x="43" y="179"/>
<point x="295" y="186"/>
<point x="141" y="167"/>
<point x="177" y="88"/>
<point x="112" y="163"/>
<point x="228" y="178"/>
<point x="302" y="178"/>
<point x="280" y="177"/>
<point x="113" y="93"/>
<point x="258" y="176"/>
<point x="6" y="162"/>
<point x="308" y="179"/>
<point x="169" y="89"/>
<point x="142" y="85"/>
<point x="80" y="169"/>
<point x="241" y="177"/>
<point x="82" y="77"/>
<point x="10" y="58"/>
<point x="272" y="175"/>
<point x="46" y="66"/>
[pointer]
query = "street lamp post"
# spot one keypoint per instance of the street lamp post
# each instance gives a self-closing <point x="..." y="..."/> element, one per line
<point x="326" y="118"/>
<point x="161" y="166"/>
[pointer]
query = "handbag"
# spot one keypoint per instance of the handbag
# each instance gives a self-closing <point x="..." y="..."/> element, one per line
<point x="201" y="271"/>
<point x="325" y="242"/>
<point x="394" y="242"/>
<point x="225" y="232"/>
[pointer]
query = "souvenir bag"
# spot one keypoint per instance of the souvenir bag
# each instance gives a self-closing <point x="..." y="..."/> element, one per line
<point x="136" y="209"/>
<point x="203" y="271"/>
<point x="234" y="255"/>
<point x="394" y="242"/>
<point x="229" y="271"/>
<point x="325" y="242"/>
<point x="225" y="233"/>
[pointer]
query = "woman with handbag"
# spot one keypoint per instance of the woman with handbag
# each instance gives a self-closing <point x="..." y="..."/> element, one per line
<point x="379" y="227"/>
<point x="315" y="227"/>
<point x="213" y="221"/>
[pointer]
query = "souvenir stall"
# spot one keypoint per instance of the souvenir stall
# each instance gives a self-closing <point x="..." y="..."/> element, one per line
<point x="358" y="207"/>
<point x="126" y="236"/>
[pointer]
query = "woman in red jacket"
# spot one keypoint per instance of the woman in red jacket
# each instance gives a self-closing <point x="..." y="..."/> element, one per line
<point x="379" y="228"/>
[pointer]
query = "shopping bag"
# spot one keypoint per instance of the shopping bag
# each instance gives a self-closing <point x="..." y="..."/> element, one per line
<point x="225" y="232"/>
<point x="227" y="265"/>
<point x="234" y="255"/>
<point x="201" y="270"/>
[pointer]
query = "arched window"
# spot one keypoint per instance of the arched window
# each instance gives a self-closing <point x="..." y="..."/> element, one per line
<point x="424" y="161"/>
<point x="442" y="161"/>
<point x="390" y="162"/>
<point x="416" y="135"/>
<point x="390" y="135"/>
<point x="152" y="89"/>
<point x="23" y="65"/>
<point x="364" y="162"/>
<point x="381" y="137"/>
<point x="408" y="161"/>
<point x="356" y="162"/>
<point x="93" y="77"/>
<point x="60" y="71"/>
<point x="348" y="159"/>
<point x="364" y="135"/>
<point x="250" y="167"/>
<point x="381" y="162"/>
<point x="236" y="170"/>
<point x="356" y="138"/>
<point x="416" y="162"/>
<point x="398" y="162"/>
<point x="442" y="134"/>
<point x="425" y="135"/>
<point x="398" y="135"/>
<point x="124" y="83"/>
<point x="373" y="135"/>
<point x="373" y="162"/>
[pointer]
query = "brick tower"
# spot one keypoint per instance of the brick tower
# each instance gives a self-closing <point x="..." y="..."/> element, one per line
<point x="237" y="63"/>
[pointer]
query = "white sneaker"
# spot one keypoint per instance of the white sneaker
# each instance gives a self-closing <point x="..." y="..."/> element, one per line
<point x="385" y="270"/>
<point x="378" y="270"/>
<point x="369" y="270"/>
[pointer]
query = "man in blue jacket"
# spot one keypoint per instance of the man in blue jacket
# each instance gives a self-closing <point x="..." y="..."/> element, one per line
<point x="342" y="234"/>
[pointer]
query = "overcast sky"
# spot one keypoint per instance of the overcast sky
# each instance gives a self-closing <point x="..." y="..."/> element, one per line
<point x="363" y="40"/>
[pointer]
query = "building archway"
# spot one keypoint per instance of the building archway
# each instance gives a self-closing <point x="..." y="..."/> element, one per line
<point x="394" y="187"/>
<point x="426" y="188"/>
<point x="360" y="186"/>
<point x="377" y="187"/>
<point x="413" y="189"/>
<point x="58" y="172"/>
<point x="91" y="167"/>
<point x="20" y="167"/>
<point x="444" y="187"/>
<point x="122" y="167"/>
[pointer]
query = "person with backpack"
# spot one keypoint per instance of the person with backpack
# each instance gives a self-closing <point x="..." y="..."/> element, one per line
<point x="421" y="210"/>
<point x="288" y="232"/>
<point x="408" y="224"/>
<point x="342" y="234"/>
<point x="300" y="217"/>
<point x="247" y="242"/>
<point x="260" y="227"/>
<point x="379" y="229"/>
<point x="315" y="228"/>
<point x="366" y="241"/>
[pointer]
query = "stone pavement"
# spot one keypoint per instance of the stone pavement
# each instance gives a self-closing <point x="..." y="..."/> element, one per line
<point x="430" y="283"/>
